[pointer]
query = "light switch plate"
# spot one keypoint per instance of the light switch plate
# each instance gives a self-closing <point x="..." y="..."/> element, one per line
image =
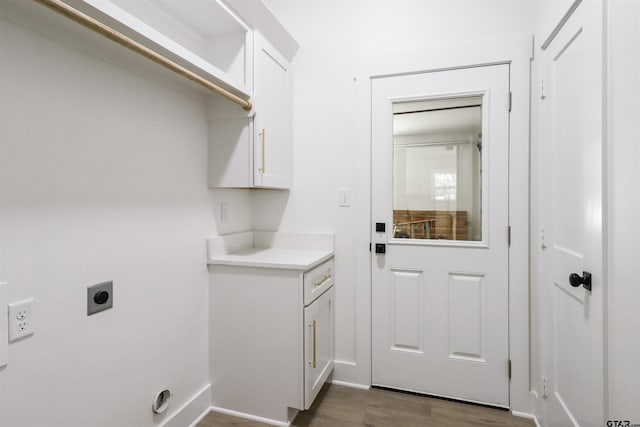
<point x="344" y="196"/>
<point x="4" y="326"/>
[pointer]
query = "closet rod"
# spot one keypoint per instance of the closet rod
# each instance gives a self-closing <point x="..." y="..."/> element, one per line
<point x="121" y="39"/>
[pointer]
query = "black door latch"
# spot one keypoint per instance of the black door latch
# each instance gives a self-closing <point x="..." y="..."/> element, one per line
<point x="576" y="280"/>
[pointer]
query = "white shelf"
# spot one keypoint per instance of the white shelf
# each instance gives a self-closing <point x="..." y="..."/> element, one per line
<point x="205" y="37"/>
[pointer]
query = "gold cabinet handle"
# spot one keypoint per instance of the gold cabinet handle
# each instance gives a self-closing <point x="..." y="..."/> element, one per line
<point x="262" y="169"/>
<point x="313" y="362"/>
<point x="323" y="280"/>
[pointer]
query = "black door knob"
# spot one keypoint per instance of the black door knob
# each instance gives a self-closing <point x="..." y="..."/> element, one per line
<point x="576" y="280"/>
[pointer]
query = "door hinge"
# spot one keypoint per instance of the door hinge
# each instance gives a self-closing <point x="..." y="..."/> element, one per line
<point x="509" y="368"/>
<point x="542" y="95"/>
<point x="510" y="100"/>
<point x="369" y="246"/>
<point x="509" y="235"/>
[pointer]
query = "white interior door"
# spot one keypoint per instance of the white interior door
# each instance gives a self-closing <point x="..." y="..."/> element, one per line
<point x="440" y="144"/>
<point x="573" y="106"/>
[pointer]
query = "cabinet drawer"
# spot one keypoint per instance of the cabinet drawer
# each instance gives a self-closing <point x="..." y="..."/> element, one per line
<point x="317" y="281"/>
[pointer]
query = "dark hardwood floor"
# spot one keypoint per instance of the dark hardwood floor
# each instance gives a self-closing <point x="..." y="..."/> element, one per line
<point x="338" y="406"/>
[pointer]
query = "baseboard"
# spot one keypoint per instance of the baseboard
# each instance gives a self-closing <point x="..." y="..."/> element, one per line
<point x="348" y="384"/>
<point x="526" y="415"/>
<point x="250" y="417"/>
<point x="192" y="412"/>
<point x="347" y="372"/>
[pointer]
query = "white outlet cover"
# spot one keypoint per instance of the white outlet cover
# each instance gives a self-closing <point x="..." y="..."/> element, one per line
<point x="4" y="327"/>
<point x="224" y="211"/>
<point x="20" y="319"/>
<point x="344" y="197"/>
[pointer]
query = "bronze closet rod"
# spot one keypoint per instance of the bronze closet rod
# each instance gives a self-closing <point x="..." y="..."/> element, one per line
<point x="100" y="28"/>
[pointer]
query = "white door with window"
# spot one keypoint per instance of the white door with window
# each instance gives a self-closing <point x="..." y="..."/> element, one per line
<point x="440" y="164"/>
<point x="572" y="108"/>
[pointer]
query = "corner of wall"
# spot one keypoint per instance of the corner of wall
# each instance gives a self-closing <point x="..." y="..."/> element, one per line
<point x="193" y="411"/>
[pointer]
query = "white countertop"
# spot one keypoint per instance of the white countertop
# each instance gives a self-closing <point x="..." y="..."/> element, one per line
<point x="291" y="251"/>
<point x="290" y="259"/>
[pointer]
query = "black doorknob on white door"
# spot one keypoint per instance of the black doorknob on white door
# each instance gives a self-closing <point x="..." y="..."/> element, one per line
<point x="576" y="280"/>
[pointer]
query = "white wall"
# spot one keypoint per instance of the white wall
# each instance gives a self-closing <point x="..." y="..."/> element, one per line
<point x="624" y="206"/>
<point x="239" y="210"/>
<point x="334" y="35"/>
<point x="102" y="177"/>
<point x="91" y="192"/>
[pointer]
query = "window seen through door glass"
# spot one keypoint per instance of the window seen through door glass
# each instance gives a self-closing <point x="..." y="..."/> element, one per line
<point x="437" y="169"/>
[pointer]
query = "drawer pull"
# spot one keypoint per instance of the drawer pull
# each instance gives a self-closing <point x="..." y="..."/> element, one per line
<point x="323" y="280"/>
<point x="313" y="362"/>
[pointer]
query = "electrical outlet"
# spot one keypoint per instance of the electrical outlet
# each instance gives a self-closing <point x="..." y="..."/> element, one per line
<point x="20" y="319"/>
<point x="224" y="210"/>
<point x="4" y="326"/>
<point x="99" y="297"/>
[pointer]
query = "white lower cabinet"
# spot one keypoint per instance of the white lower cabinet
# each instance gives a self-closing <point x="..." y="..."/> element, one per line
<point x="271" y="339"/>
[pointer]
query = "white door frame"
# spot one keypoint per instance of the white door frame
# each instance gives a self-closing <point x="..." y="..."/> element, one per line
<point x="516" y="51"/>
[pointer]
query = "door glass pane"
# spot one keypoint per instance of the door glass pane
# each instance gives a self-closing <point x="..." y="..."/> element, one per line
<point x="437" y="169"/>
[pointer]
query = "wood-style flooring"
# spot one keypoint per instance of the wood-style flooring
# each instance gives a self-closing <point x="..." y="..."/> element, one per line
<point x="338" y="406"/>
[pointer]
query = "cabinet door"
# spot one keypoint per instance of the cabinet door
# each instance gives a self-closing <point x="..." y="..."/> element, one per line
<point x="272" y="118"/>
<point x="318" y="345"/>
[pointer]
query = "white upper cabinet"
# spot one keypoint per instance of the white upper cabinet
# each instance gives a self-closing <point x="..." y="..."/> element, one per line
<point x="253" y="150"/>
<point x="272" y="121"/>
<point x="238" y="46"/>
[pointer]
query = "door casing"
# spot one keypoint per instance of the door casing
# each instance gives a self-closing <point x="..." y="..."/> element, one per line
<point x="355" y="368"/>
